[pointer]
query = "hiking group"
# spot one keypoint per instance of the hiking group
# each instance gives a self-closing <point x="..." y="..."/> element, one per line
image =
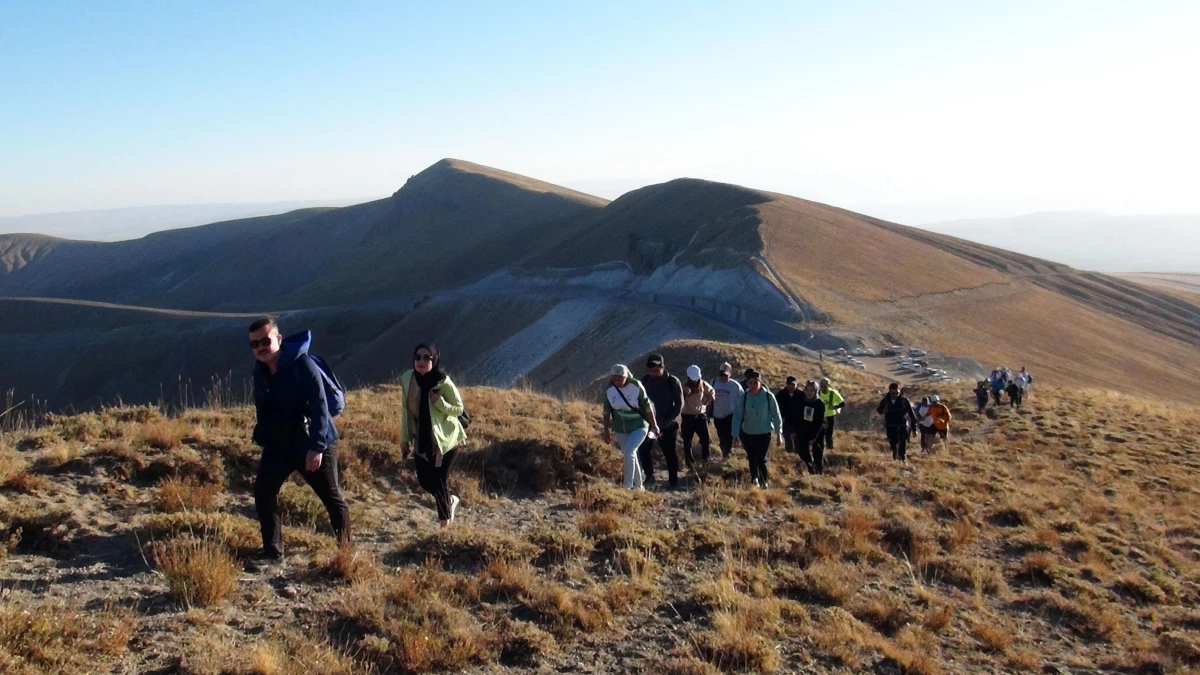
<point x="1003" y="381"/>
<point x="296" y="397"/>
<point x="640" y="415"/>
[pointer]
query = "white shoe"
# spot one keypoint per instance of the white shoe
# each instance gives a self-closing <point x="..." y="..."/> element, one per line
<point x="453" y="506"/>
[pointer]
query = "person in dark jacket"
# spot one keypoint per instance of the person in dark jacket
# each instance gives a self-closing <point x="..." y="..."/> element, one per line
<point x="810" y="430"/>
<point x="666" y="393"/>
<point x="981" y="395"/>
<point x="899" y="421"/>
<point x="295" y="431"/>
<point x="1014" y="394"/>
<point x="791" y="407"/>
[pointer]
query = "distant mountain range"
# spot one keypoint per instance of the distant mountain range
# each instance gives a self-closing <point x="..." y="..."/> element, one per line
<point x="138" y="221"/>
<point x="521" y="280"/>
<point x="1091" y="240"/>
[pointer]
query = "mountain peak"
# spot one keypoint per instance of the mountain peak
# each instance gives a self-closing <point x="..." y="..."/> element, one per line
<point x="449" y="171"/>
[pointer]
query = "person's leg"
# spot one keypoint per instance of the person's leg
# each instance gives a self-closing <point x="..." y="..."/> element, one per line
<point x="724" y="427"/>
<point x="818" y="454"/>
<point x="763" y="450"/>
<point x="704" y="438"/>
<point x="902" y="444"/>
<point x="893" y="438"/>
<point x="667" y="440"/>
<point x="445" y="497"/>
<point x="829" y="420"/>
<point x="645" y="453"/>
<point x="802" y="449"/>
<point x="273" y="469"/>
<point x="324" y="482"/>
<point x="688" y="429"/>
<point x="748" y="446"/>
<point x="430" y="480"/>
<point x="629" y="444"/>
<point x="789" y="440"/>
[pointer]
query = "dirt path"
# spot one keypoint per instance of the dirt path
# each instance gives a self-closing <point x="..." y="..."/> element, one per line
<point x="134" y="308"/>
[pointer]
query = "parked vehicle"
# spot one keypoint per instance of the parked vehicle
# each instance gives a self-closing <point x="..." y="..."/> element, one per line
<point x="913" y="351"/>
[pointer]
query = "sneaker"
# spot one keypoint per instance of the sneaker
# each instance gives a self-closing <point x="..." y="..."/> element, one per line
<point x="265" y="562"/>
<point x="764" y="484"/>
<point x="453" y="506"/>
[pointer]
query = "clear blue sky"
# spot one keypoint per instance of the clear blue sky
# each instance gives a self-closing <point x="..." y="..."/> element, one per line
<point x="914" y="111"/>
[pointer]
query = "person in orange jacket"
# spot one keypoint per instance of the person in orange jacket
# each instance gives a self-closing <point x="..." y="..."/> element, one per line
<point x="941" y="419"/>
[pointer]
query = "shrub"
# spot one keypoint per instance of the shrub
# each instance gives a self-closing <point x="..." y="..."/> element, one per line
<point x="174" y="495"/>
<point x="199" y="572"/>
<point x="58" y="638"/>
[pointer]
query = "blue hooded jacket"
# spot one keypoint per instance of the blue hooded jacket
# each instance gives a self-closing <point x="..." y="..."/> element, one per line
<point x="290" y="405"/>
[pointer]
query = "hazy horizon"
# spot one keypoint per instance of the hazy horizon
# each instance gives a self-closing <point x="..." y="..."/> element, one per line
<point x="924" y="112"/>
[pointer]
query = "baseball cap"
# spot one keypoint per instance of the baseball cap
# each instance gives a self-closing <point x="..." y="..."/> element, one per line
<point x="791" y="379"/>
<point x="725" y="368"/>
<point x="824" y="380"/>
<point x="693" y="372"/>
<point x="935" y="398"/>
<point x="752" y="373"/>
<point x="654" y="360"/>
<point x="621" y="369"/>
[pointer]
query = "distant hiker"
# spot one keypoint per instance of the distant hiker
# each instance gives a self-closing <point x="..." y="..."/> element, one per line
<point x="924" y="422"/>
<point x="666" y="392"/>
<point x="998" y="383"/>
<point x="833" y="407"/>
<point x="1023" y="380"/>
<point x="698" y="397"/>
<point x="755" y="420"/>
<point x="728" y="392"/>
<point x="430" y="427"/>
<point x="294" y="404"/>
<point x="940" y="414"/>
<point x="899" y="421"/>
<point x="628" y="418"/>
<point x="791" y="409"/>
<point x="981" y="395"/>
<point x="1014" y="395"/>
<point x="811" y="432"/>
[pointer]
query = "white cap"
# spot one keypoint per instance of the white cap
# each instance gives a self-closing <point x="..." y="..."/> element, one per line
<point x="693" y="373"/>
<point x="622" y="370"/>
<point x="935" y="398"/>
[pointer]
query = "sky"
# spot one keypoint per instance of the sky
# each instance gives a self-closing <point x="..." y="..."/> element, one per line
<point x="910" y="111"/>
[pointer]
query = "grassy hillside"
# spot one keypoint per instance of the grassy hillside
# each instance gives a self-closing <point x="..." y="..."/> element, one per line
<point x="1059" y="538"/>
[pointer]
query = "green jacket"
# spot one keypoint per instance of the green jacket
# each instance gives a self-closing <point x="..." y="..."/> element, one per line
<point x="624" y="419"/>
<point x="447" y="430"/>
<point x="757" y="414"/>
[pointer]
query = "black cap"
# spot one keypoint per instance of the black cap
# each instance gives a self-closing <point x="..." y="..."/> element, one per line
<point x="791" y="379"/>
<point x="751" y="373"/>
<point x="654" y="360"/>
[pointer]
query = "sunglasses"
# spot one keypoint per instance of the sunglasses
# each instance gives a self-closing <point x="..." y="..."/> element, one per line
<point x="261" y="342"/>
<point x="423" y="357"/>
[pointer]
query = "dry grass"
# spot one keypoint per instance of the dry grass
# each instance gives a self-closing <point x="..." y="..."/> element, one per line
<point x="56" y="638"/>
<point x="1053" y="535"/>
<point x="199" y="572"/>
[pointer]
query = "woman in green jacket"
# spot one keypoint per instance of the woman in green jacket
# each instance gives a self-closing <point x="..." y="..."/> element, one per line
<point x="755" y="419"/>
<point x="430" y="428"/>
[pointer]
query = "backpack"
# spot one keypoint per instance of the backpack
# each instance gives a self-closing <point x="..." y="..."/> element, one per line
<point x="465" y="418"/>
<point x="335" y="393"/>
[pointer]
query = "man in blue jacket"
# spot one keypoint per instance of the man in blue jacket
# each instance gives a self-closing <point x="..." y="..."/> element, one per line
<point x="295" y="431"/>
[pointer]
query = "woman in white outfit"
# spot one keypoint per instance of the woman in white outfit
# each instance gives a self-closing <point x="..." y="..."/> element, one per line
<point x="628" y="419"/>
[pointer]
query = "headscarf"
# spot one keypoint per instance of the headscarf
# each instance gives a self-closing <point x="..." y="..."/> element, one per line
<point x="427" y="382"/>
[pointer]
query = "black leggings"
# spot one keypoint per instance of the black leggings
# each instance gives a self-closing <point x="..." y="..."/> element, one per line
<point x="724" y="426"/>
<point x="273" y="471"/>
<point x="667" y="436"/>
<point x="695" y="425"/>
<point x="757" y="446"/>
<point x="829" y="419"/>
<point x="812" y="452"/>
<point x="898" y="439"/>
<point x="436" y="481"/>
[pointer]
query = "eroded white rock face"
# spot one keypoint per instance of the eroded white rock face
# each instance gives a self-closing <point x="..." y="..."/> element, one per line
<point x="742" y="286"/>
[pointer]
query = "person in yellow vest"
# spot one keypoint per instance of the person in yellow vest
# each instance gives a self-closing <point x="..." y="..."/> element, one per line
<point x="833" y="406"/>
<point x="941" y="420"/>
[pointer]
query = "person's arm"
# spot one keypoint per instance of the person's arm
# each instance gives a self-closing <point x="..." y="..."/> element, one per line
<point x="710" y="394"/>
<point x="739" y="406"/>
<point x="676" y="398"/>
<point x="881" y="407"/>
<point x="606" y="423"/>
<point x="405" y="432"/>
<point x="911" y="415"/>
<point x="321" y="433"/>
<point x="259" y="436"/>
<point x="840" y="401"/>
<point x="448" y="400"/>
<point x="775" y="416"/>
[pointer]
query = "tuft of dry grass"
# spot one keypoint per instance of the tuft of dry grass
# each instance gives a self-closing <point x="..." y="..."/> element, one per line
<point x="174" y="495"/>
<point x="54" y="637"/>
<point x="199" y="572"/>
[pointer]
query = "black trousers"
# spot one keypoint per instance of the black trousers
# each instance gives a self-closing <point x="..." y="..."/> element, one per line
<point x="757" y="446"/>
<point x="724" y="426"/>
<point x="273" y="470"/>
<point x="666" y="440"/>
<point x="695" y="425"/>
<point x="791" y="439"/>
<point x="436" y="481"/>
<point x="812" y="451"/>
<point x="829" y="420"/>
<point x="898" y="439"/>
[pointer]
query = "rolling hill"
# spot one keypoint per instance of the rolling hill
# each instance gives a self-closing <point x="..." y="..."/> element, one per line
<point x="521" y="280"/>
